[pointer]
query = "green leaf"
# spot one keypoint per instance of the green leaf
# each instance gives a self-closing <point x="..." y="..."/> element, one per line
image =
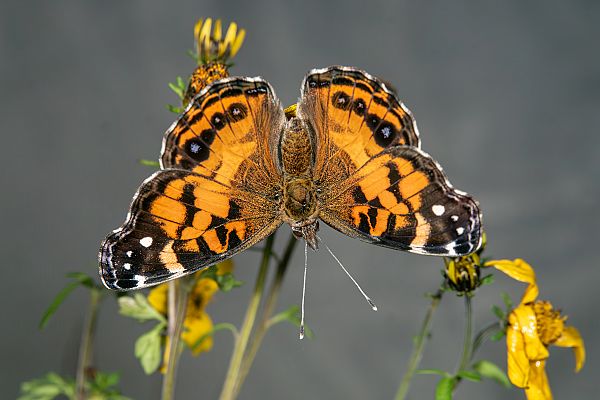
<point x="150" y="163"/>
<point x="469" y="375"/>
<point x="227" y="282"/>
<point x="83" y="279"/>
<point x="497" y="336"/>
<point x="487" y="280"/>
<point x="178" y="87"/>
<point x="488" y="369"/>
<point x="292" y="314"/>
<point x="147" y="349"/>
<point x="174" y="109"/>
<point x="433" y="371"/>
<point x="498" y="312"/>
<point x="47" y="388"/>
<point x="104" y="380"/>
<point x="507" y="301"/>
<point x="138" y="307"/>
<point x="444" y="388"/>
<point x="102" y="387"/>
<point x="79" y="279"/>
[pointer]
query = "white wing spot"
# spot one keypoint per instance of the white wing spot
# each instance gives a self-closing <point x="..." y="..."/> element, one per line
<point x="454" y="218"/>
<point x="146" y="242"/>
<point x="127" y="266"/>
<point x="460" y="230"/>
<point x="129" y="253"/>
<point x="438" y="209"/>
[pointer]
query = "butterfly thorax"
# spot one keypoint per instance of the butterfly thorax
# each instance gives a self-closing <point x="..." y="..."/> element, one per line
<point x="299" y="191"/>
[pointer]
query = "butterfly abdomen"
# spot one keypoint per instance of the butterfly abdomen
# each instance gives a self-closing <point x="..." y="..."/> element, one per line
<point x="296" y="150"/>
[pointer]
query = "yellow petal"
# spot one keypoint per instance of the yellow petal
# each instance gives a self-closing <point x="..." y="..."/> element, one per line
<point x="196" y="328"/>
<point x="539" y="388"/>
<point x="524" y="318"/>
<point x="520" y="271"/>
<point x="230" y="35"/>
<point x="206" y="288"/>
<point x="204" y="37"/>
<point x="158" y="298"/>
<point x="571" y="338"/>
<point x="517" y="362"/>
<point x="217" y="30"/>
<point x="197" y="29"/>
<point x="239" y="39"/>
<point x="225" y="267"/>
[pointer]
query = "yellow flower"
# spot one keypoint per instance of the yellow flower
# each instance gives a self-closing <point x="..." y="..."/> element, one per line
<point x="225" y="267"/>
<point x="197" y="322"/>
<point x="532" y="326"/>
<point x="462" y="273"/>
<point x="210" y="44"/>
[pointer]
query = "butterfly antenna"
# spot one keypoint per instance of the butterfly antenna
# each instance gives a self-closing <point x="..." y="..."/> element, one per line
<point x="304" y="289"/>
<point x="373" y="306"/>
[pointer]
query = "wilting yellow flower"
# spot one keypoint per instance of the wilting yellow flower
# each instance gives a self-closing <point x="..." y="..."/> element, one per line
<point x="462" y="273"/>
<point x="210" y="44"/>
<point x="197" y="322"/>
<point x="532" y="326"/>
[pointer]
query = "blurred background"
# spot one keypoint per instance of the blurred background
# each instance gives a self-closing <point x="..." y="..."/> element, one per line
<point x="507" y="99"/>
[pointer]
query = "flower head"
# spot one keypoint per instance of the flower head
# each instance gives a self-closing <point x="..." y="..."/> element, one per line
<point x="212" y="46"/>
<point x="533" y="326"/>
<point x="197" y="322"/>
<point x="213" y="52"/>
<point x="462" y="273"/>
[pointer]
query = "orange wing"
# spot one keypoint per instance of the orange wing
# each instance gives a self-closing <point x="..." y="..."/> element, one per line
<point x="180" y="220"/>
<point x="402" y="199"/>
<point x="374" y="181"/>
<point x="354" y="117"/>
<point x="231" y="126"/>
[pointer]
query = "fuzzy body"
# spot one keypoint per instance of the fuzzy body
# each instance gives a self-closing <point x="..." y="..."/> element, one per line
<point x="299" y="191"/>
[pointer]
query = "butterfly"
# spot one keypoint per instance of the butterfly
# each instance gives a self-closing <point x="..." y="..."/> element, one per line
<point x="235" y="168"/>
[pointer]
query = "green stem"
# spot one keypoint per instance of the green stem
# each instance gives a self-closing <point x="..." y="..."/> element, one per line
<point x="177" y="307"/>
<point x="264" y="325"/>
<point x="419" y="346"/>
<point x="483" y="334"/>
<point x="229" y="386"/>
<point x="468" y="343"/>
<point x="85" y="349"/>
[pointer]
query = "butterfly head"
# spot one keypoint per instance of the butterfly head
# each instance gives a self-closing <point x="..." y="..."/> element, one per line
<point x="308" y="232"/>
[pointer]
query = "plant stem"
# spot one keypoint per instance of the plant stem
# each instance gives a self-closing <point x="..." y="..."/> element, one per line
<point x="467" y="344"/>
<point x="270" y="302"/>
<point x="177" y="307"/>
<point x="419" y="346"/>
<point x="85" y="348"/>
<point x="228" y="392"/>
<point x="483" y="334"/>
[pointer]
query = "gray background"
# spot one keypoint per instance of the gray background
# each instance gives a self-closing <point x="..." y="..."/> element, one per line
<point x="507" y="98"/>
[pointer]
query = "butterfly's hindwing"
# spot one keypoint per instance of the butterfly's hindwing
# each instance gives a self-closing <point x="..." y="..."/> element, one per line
<point x="179" y="223"/>
<point x="402" y="199"/>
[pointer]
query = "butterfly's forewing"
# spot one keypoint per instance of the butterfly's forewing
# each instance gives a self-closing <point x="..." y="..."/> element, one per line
<point x="180" y="220"/>
<point x="375" y="182"/>
<point x="231" y="126"/>
<point x="354" y="117"/>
